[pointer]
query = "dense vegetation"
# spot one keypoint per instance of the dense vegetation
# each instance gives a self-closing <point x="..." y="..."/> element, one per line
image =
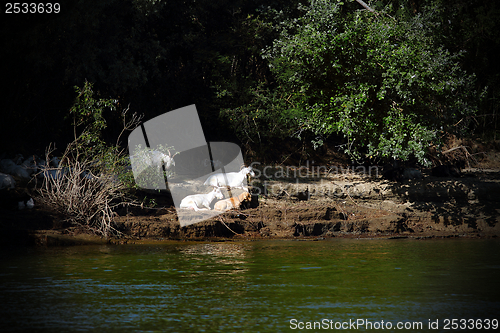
<point x="385" y="84"/>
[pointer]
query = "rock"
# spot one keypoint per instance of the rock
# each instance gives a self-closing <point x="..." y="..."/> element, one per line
<point x="30" y="203"/>
<point x="10" y="167"/>
<point x="7" y="181"/>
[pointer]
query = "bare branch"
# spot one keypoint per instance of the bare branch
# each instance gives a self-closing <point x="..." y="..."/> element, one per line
<point x="362" y="3"/>
<point x="129" y="124"/>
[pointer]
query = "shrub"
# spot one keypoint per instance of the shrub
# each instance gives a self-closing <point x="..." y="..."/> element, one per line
<point x="83" y="197"/>
<point x="385" y="84"/>
<point x="93" y="177"/>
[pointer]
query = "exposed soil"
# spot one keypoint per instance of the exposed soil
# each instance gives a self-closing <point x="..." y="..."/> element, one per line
<point x="338" y="204"/>
<point x="356" y="207"/>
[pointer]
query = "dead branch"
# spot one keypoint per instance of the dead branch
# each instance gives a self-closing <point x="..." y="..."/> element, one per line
<point x="84" y="193"/>
<point x="466" y="153"/>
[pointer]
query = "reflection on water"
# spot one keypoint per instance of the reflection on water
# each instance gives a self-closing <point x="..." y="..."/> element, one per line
<point x="247" y="286"/>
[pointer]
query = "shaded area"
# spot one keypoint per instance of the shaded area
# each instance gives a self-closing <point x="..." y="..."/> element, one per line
<point x="162" y="55"/>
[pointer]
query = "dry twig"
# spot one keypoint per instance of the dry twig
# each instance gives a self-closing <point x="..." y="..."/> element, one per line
<point x="82" y="197"/>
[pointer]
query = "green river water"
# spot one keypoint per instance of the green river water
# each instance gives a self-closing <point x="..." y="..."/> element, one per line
<point x="260" y="286"/>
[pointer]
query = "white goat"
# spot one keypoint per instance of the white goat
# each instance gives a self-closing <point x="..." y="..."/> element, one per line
<point x="159" y="158"/>
<point x="201" y="201"/>
<point x="234" y="179"/>
<point x="153" y="158"/>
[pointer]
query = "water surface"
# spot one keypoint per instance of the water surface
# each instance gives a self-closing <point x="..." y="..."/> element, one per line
<point x="262" y="286"/>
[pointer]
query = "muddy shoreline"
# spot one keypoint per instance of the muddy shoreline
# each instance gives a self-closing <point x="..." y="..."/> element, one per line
<point x="346" y="206"/>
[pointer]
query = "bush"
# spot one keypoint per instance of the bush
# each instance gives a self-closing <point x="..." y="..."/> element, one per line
<point x="83" y="197"/>
<point x="93" y="177"/>
<point x="384" y="84"/>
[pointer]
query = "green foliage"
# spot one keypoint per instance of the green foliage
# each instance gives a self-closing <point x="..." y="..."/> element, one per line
<point x="384" y="84"/>
<point x="88" y="112"/>
<point x="268" y="115"/>
<point x="402" y="137"/>
<point x="88" y="115"/>
<point x="270" y="69"/>
<point x="93" y="177"/>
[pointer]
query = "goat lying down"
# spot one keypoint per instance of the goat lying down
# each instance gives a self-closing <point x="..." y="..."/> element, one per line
<point x="234" y="179"/>
<point x="201" y="201"/>
<point x="233" y="202"/>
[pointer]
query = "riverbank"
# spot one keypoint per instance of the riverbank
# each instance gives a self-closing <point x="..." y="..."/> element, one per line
<point x="296" y="203"/>
<point x="316" y="202"/>
<point x="347" y="206"/>
<point x="340" y="205"/>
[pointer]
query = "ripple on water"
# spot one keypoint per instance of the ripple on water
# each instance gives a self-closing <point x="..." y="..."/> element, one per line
<point x="254" y="286"/>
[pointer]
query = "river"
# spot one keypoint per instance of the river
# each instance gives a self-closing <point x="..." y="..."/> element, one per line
<point x="253" y="286"/>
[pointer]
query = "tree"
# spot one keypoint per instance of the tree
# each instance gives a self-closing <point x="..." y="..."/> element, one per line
<point x="383" y="83"/>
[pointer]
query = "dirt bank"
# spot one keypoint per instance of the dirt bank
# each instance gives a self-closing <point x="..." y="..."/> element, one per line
<point x="345" y="204"/>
